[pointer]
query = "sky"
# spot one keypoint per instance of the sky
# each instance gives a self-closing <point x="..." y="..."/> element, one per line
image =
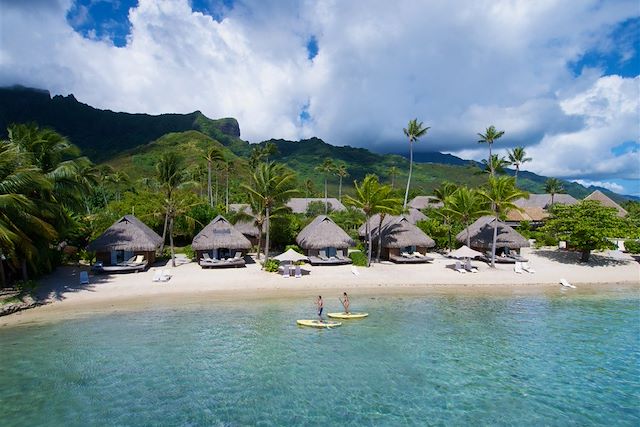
<point x="561" y="78"/>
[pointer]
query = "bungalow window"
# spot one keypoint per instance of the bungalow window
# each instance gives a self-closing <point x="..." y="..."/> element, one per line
<point x="331" y="252"/>
<point x="409" y="249"/>
<point x="120" y="256"/>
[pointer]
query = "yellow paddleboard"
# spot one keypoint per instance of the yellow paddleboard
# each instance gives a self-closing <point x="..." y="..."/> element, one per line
<point x="347" y="316"/>
<point x="318" y="324"/>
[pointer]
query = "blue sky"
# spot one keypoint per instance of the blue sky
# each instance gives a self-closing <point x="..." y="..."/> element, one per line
<point x="560" y="78"/>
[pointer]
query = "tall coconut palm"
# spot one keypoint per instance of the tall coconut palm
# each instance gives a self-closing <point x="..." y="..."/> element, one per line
<point x="309" y="188"/>
<point x="553" y="186"/>
<point x="442" y="195"/>
<point x="518" y="157"/>
<point x="341" y="172"/>
<point x="170" y="175"/>
<point x="393" y="172"/>
<point x="495" y="165"/>
<point x="501" y="193"/>
<point x="212" y="156"/>
<point x="466" y="205"/>
<point x="271" y="186"/>
<point x="326" y="168"/>
<point x="489" y="137"/>
<point x="372" y="198"/>
<point x="413" y="131"/>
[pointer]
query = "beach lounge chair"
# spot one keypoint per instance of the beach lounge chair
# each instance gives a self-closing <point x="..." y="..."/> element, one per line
<point x="323" y="255"/>
<point x="526" y="267"/>
<point x="157" y="276"/>
<point x="238" y="255"/>
<point x="354" y="270"/>
<point x="469" y="267"/>
<point x="298" y="272"/>
<point x="84" y="278"/>
<point x="518" y="267"/>
<point x="417" y="255"/>
<point x="285" y="271"/>
<point x="127" y="262"/>
<point x="340" y="255"/>
<point x="166" y="275"/>
<point x="458" y="268"/>
<point x="406" y="255"/>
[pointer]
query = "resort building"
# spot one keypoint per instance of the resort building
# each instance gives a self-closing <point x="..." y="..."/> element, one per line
<point x="402" y="241"/>
<point x="128" y="245"/>
<point x="220" y="244"/>
<point x="543" y="201"/>
<point x="423" y="202"/>
<point x="415" y="215"/>
<point x="508" y="243"/>
<point x="324" y="242"/>
<point x="249" y="230"/>
<point x="300" y="205"/>
<point x="604" y="200"/>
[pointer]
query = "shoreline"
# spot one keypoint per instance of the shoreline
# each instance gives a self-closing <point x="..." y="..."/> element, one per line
<point x="609" y="274"/>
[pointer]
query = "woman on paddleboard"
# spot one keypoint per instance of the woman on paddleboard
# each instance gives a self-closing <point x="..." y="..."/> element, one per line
<point x="345" y="302"/>
<point x="320" y="305"/>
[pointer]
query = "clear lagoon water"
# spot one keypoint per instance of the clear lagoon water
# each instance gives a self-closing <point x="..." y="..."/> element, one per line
<point x="433" y="360"/>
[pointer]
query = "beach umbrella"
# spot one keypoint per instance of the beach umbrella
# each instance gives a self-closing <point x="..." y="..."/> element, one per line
<point x="464" y="252"/>
<point x="290" y="256"/>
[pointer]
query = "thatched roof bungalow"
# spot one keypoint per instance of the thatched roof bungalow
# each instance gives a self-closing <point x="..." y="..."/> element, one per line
<point x="249" y="229"/>
<point x="300" y="205"/>
<point x="127" y="237"/>
<point x="481" y="233"/>
<point x="604" y="200"/>
<point x="399" y="236"/>
<point x="323" y="238"/>
<point x="543" y="201"/>
<point x="422" y="202"/>
<point x="220" y="240"/>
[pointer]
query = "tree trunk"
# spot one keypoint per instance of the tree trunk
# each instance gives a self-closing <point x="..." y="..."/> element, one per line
<point x="209" y="194"/>
<point x="490" y="162"/>
<point x="406" y="193"/>
<point x="226" y="201"/>
<point x="468" y="235"/>
<point x="259" y="240"/>
<point x="266" y="243"/>
<point x="164" y="230"/>
<point x="25" y="274"/>
<point x="379" y="238"/>
<point x="3" y="279"/>
<point x="340" y="190"/>
<point x="326" y="203"/>
<point x="493" y="245"/>
<point x="216" y="198"/>
<point x="585" y="255"/>
<point x="393" y="181"/>
<point x="369" y="241"/>
<point x="516" y="176"/>
<point x="173" y="255"/>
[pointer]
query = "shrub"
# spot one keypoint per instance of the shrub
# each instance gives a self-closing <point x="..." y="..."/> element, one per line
<point x="188" y="251"/>
<point x="632" y="246"/>
<point x="358" y="258"/>
<point x="272" y="265"/>
<point x="294" y="247"/>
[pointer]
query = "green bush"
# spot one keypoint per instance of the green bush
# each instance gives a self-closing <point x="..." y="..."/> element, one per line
<point x="188" y="251"/>
<point x="543" y="239"/>
<point x="358" y="258"/>
<point x="632" y="246"/>
<point x="294" y="247"/>
<point x="272" y="265"/>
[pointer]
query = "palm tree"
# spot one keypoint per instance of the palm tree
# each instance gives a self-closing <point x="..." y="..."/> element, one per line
<point x="170" y="176"/>
<point x="489" y="137"/>
<point x="393" y="172"/>
<point x="495" y="165"/>
<point x="118" y="179"/>
<point x="269" y="149"/>
<point x="553" y="186"/>
<point x="309" y="188"/>
<point x="272" y="185"/>
<point x="518" y="157"/>
<point x="413" y="131"/>
<point x="466" y="205"/>
<point x="213" y="155"/>
<point x="372" y="198"/>
<point x="341" y="172"/>
<point x="442" y="194"/>
<point x="326" y="168"/>
<point x="501" y="193"/>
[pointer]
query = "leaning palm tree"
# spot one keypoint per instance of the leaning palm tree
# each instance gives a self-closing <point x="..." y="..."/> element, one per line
<point x="466" y="205"/>
<point x="489" y="137"/>
<point x="501" y="193"/>
<point x="518" y="157"/>
<point x="413" y="131"/>
<point x="272" y="185"/>
<point x="553" y="186"/>
<point x="213" y="155"/>
<point x="326" y="168"/>
<point x="341" y="172"/>
<point x="372" y="198"/>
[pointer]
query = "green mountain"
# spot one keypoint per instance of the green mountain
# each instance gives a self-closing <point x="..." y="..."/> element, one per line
<point x="133" y="143"/>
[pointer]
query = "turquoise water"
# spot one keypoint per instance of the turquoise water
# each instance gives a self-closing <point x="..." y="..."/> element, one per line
<point x="439" y="360"/>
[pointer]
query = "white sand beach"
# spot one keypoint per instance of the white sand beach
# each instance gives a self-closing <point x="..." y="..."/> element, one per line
<point x="191" y="283"/>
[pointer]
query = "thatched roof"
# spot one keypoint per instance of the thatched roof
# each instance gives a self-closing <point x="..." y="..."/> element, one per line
<point x="300" y="204"/>
<point x="527" y="214"/>
<point x="421" y="202"/>
<point x="397" y="232"/>
<point x="128" y="234"/>
<point x="544" y="200"/>
<point x="240" y="207"/>
<point x="482" y="235"/>
<point x="248" y="228"/>
<point x="219" y="233"/>
<point x="604" y="200"/>
<point x="415" y="215"/>
<point x="321" y="233"/>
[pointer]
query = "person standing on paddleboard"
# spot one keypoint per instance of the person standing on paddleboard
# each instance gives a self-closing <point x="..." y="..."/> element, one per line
<point x="320" y="305"/>
<point x="345" y="302"/>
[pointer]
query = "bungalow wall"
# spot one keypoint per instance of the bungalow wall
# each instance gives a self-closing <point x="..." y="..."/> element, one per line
<point x="114" y="257"/>
<point x="385" y="252"/>
<point x="219" y="253"/>
<point x="327" y="251"/>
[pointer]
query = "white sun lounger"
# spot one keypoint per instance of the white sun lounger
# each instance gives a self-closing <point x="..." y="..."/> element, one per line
<point x="166" y="275"/>
<point x="518" y="267"/>
<point x="157" y="275"/>
<point x="526" y="267"/>
<point x="459" y="269"/>
<point x="566" y="284"/>
<point x="298" y="272"/>
<point x="285" y="271"/>
<point x="354" y="270"/>
<point x="469" y="267"/>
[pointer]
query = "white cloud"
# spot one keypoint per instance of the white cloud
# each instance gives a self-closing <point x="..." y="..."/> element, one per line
<point x="458" y="66"/>
<point x="616" y="188"/>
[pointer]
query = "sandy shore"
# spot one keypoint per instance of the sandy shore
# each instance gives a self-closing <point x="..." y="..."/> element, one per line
<point x="191" y="284"/>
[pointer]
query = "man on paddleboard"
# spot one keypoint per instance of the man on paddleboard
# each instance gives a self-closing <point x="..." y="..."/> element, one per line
<point x="345" y="302"/>
<point x="320" y="305"/>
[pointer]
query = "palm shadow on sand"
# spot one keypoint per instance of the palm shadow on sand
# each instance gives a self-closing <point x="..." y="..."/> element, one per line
<point x="573" y="257"/>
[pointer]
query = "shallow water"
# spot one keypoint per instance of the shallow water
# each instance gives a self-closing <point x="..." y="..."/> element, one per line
<point x="442" y="360"/>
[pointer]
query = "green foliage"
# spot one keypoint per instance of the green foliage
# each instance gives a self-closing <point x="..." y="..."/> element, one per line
<point x="439" y="231"/>
<point x="188" y="251"/>
<point x="585" y="226"/>
<point x="316" y="208"/>
<point x="271" y="265"/>
<point x="632" y="246"/>
<point x="26" y="286"/>
<point x="294" y="247"/>
<point x="349" y="220"/>
<point x="284" y="229"/>
<point x="358" y="258"/>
